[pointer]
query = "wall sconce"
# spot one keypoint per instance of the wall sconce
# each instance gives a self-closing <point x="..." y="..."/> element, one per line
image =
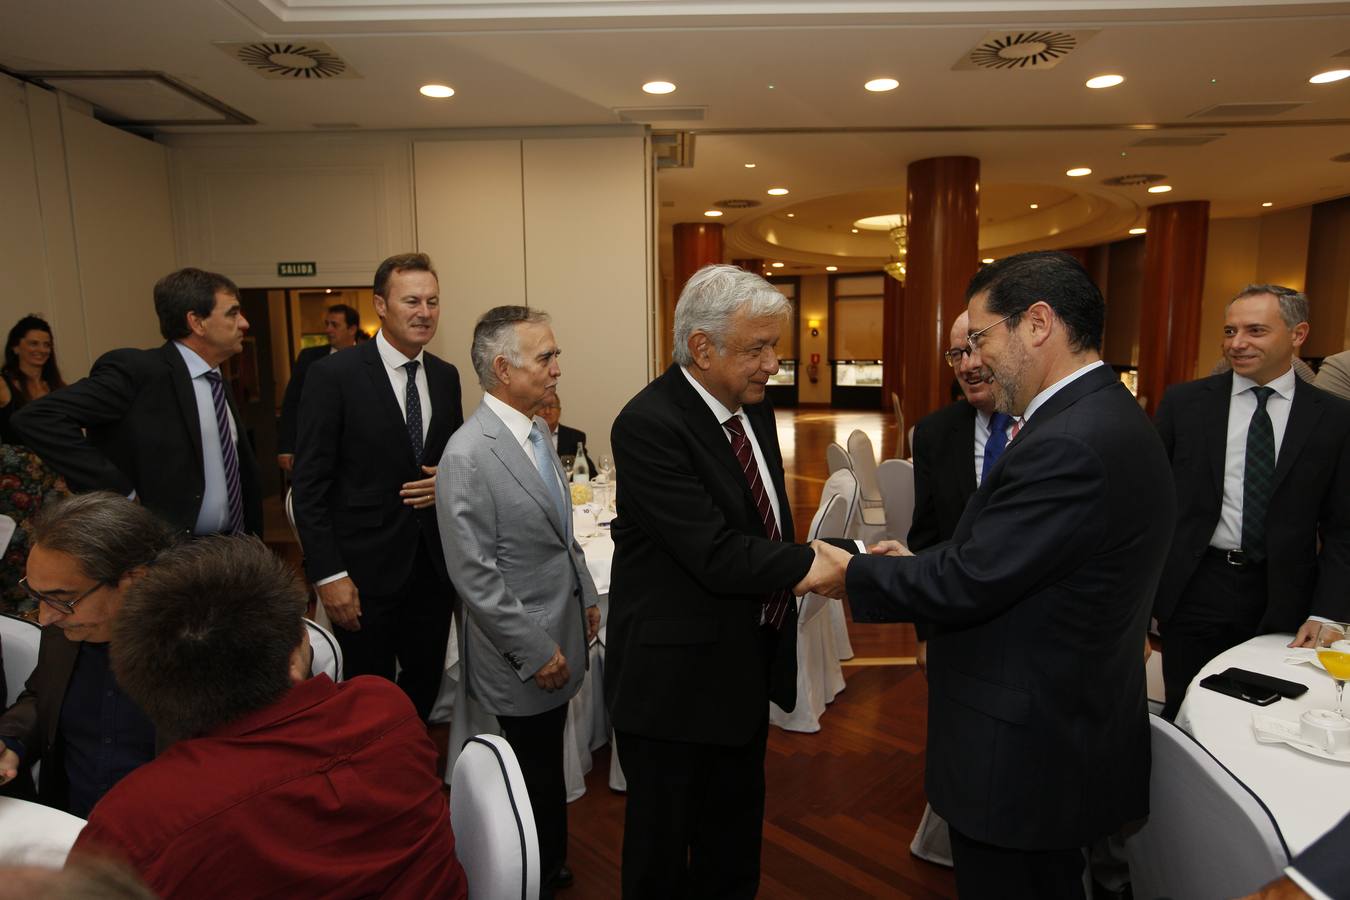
<point x="814" y="325"/>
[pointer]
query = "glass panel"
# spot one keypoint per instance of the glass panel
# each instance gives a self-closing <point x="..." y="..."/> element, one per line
<point x="787" y="373"/>
<point x="865" y="373"/>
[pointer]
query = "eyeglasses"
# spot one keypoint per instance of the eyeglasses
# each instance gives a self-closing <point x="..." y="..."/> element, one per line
<point x="974" y="339"/>
<point x="62" y="606"/>
<point x="954" y="355"/>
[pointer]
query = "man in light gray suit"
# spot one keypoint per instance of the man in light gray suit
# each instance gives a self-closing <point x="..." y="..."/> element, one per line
<point x="505" y="515"/>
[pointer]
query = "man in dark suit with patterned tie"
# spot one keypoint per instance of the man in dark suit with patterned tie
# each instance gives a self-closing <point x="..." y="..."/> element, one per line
<point x="159" y="425"/>
<point x="374" y="421"/>
<point x="1261" y="468"/>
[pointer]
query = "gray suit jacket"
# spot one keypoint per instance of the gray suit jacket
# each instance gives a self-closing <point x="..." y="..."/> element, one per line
<point x="521" y="575"/>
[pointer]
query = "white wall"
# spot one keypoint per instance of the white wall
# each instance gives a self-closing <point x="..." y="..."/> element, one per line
<point x="87" y="228"/>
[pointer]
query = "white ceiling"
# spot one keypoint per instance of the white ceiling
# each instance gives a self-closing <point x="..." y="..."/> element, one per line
<point x="816" y="131"/>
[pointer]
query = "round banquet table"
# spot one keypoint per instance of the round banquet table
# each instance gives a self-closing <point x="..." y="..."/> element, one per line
<point x="1294" y="786"/>
<point x="37" y="835"/>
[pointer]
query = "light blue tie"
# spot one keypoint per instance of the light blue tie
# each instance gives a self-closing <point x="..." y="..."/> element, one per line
<point x="543" y="461"/>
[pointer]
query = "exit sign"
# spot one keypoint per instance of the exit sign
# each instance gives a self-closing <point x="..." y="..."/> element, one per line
<point x="296" y="269"/>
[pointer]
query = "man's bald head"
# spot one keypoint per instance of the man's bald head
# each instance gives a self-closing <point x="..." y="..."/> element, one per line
<point x="969" y="372"/>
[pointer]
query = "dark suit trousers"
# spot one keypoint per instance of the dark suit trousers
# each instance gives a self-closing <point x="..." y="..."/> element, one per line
<point x="410" y="628"/>
<point x="538" y="745"/>
<point x="999" y="873"/>
<point x="695" y="817"/>
<point x="1221" y="607"/>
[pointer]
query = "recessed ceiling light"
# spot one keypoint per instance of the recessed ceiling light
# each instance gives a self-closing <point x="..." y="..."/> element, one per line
<point x="831" y="268"/>
<point x="879" y="85"/>
<point x="1160" y="189"/>
<point x="1078" y="172"/>
<point x="987" y="260"/>
<point x="1035" y="206"/>
<point x="776" y="265"/>
<point x="1104" y="81"/>
<point x="855" y="231"/>
<point x="1328" y="77"/>
<point x="659" y="87"/>
<point x="438" y="91"/>
<point x="1267" y="203"/>
<point x="714" y="213"/>
<point x="777" y="192"/>
<point x="1138" y="230"/>
<point x="749" y="165"/>
<point x="792" y="215"/>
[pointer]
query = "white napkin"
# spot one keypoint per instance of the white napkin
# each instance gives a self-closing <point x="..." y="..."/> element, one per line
<point x="1303" y="656"/>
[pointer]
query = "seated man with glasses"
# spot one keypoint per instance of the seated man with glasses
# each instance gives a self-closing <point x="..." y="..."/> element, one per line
<point x="73" y="715"/>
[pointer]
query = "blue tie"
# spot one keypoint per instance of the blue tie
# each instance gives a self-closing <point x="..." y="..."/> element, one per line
<point x="998" y="440"/>
<point x="542" y="452"/>
<point x="229" y="457"/>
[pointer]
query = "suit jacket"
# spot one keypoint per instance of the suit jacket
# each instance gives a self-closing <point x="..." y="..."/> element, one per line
<point x="290" y="403"/>
<point x="353" y="456"/>
<point x="1334" y="375"/>
<point x="516" y="564"/>
<point x="568" y="439"/>
<point x="1325" y="863"/>
<point x="36" y="715"/>
<point x="944" y="473"/>
<point x="140" y="432"/>
<point x="1038" y="733"/>
<point x="1308" y="502"/>
<point x="686" y="656"/>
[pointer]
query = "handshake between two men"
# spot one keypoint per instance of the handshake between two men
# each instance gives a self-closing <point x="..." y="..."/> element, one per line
<point x="830" y="567"/>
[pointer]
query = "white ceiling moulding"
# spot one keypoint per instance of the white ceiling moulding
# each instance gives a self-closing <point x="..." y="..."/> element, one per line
<point x="141" y="99"/>
<point x="278" y="17"/>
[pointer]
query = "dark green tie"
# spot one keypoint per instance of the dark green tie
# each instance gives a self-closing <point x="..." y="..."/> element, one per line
<point x="1258" y="477"/>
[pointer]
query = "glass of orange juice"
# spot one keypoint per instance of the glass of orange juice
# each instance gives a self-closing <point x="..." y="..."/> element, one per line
<point x="1333" y="651"/>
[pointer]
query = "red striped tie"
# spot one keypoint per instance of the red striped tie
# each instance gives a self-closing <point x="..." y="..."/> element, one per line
<point x="775" y="604"/>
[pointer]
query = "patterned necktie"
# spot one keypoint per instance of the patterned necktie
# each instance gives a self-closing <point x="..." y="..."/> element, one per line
<point x="998" y="440"/>
<point x="1258" y="477"/>
<point x="229" y="456"/>
<point x="776" y="604"/>
<point x="542" y="452"/>
<point x="413" y="404"/>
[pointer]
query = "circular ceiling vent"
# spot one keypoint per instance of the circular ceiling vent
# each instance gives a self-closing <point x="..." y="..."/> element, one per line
<point x="1137" y="180"/>
<point x="292" y="60"/>
<point x="1023" y="50"/>
<point x="736" y="204"/>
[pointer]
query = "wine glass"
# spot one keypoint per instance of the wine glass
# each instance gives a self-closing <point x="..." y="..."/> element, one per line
<point x="1333" y="651"/>
<point x="606" y="477"/>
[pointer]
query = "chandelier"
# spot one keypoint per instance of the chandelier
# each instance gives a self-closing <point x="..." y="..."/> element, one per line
<point x="900" y="235"/>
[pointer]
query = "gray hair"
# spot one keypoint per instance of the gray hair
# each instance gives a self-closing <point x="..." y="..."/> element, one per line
<point x="495" y="335"/>
<point x="1293" y="304"/>
<point x="713" y="296"/>
<point x="105" y="533"/>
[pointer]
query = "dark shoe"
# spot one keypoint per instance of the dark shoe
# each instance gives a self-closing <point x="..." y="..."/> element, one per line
<point x="563" y="879"/>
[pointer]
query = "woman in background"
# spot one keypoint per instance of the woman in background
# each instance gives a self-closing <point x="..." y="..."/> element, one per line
<point x="29" y="371"/>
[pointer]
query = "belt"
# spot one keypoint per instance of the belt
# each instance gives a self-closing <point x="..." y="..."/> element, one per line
<point x="1238" y="559"/>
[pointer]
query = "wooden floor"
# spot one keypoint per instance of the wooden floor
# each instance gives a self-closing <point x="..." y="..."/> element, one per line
<point x="843" y="803"/>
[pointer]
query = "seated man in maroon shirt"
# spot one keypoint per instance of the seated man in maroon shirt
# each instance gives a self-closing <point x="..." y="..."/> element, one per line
<point x="277" y="784"/>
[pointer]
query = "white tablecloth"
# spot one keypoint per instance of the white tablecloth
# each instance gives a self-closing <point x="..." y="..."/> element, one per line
<point x="1305" y="794"/>
<point x="36" y="835"/>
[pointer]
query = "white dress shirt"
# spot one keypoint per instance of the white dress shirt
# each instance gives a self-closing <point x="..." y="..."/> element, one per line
<point x="520" y="426"/>
<point x="214" y="513"/>
<point x="1241" y="407"/>
<point x="1039" y="400"/>
<point x="394" y="361"/>
<point x="722" y="414"/>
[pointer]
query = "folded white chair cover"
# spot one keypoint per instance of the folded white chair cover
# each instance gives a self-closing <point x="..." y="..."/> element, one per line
<point x="19" y="639"/>
<point x="327" y="653"/>
<point x="895" y="479"/>
<point x="490" y="810"/>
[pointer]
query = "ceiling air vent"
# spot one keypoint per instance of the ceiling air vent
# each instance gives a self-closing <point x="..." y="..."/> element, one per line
<point x="736" y="204"/>
<point x="1246" y="110"/>
<point x="1180" y="140"/>
<point x="1137" y="180"/>
<point x="311" y="60"/>
<point x="1022" y="49"/>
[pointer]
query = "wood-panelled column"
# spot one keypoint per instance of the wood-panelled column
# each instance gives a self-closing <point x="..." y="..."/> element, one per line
<point x="1173" y="284"/>
<point x="697" y="244"/>
<point x="892" y="338"/>
<point x="944" y="251"/>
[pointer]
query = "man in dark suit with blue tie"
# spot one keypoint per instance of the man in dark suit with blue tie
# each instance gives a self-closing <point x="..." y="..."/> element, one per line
<point x="374" y="421"/>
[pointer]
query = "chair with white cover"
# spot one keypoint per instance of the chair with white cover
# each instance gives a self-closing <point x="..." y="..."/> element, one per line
<point x="819" y="675"/>
<point x="1207" y="835"/>
<point x="19" y="639"/>
<point x="327" y="652"/>
<point x="895" y="479"/>
<point x="836" y="458"/>
<point x="7" y="529"/>
<point x="36" y="835"/>
<point x="871" y="507"/>
<point x="490" y="810"/>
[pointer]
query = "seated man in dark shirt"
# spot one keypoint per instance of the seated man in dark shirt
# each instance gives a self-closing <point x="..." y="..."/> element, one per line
<point x="278" y="784"/>
<point x="73" y="715"/>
